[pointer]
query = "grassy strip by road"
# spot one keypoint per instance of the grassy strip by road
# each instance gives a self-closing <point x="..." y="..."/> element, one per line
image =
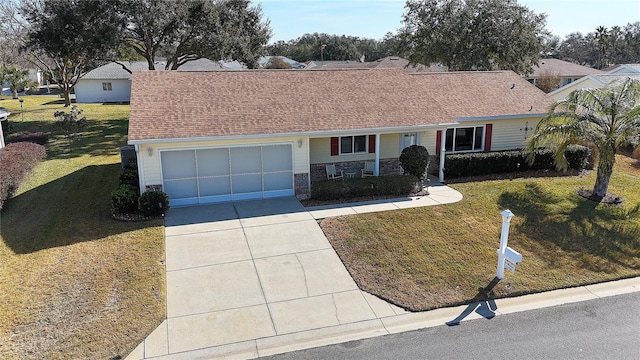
<point x="75" y="283"/>
<point x="431" y="257"/>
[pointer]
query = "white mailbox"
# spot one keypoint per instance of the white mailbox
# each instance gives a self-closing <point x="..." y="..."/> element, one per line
<point x="512" y="255"/>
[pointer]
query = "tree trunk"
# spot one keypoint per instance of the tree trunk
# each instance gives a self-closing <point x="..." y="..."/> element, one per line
<point x="603" y="176"/>
<point x="14" y="93"/>
<point x="66" y="90"/>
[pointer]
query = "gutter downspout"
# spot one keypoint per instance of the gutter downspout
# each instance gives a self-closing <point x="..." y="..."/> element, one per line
<point x="443" y="140"/>
<point x="140" y="171"/>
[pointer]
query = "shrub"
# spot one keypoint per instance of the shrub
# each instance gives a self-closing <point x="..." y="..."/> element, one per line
<point x="27" y="136"/>
<point x="129" y="175"/>
<point x="400" y="185"/>
<point x="72" y="123"/>
<point x="500" y="162"/>
<point x="154" y="203"/>
<point x="415" y="161"/>
<point x="124" y="199"/>
<point x="16" y="161"/>
<point x="578" y="157"/>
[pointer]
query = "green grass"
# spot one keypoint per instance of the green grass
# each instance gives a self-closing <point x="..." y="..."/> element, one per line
<point x="75" y="283"/>
<point x="438" y="256"/>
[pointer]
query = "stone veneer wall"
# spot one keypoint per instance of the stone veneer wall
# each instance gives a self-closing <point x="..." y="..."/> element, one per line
<point x="301" y="184"/>
<point x="387" y="167"/>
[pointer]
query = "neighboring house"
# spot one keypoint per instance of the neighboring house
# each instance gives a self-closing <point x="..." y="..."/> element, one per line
<point x="620" y="73"/>
<point x="4" y="114"/>
<point x="566" y="71"/>
<point x="253" y="134"/>
<point x="108" y="83"/>
<point x="112" y="82"/>
<point x="264" y="60"/>
<point x="622" y="69"/>
<point x="384" y="63"/>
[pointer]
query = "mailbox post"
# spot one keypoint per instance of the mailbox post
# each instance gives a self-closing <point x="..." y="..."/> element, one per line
<point x="504" y="238"/>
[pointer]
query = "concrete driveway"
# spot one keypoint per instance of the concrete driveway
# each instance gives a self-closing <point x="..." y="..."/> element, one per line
<point x="242" y="271"/>
<point x="257" y="278"/>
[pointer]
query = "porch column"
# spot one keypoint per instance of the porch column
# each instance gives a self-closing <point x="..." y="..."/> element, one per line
<point x="376" y="172"/>
<point x="443" y="140"/>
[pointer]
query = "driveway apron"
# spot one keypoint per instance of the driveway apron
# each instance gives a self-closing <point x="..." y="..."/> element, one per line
<point x="249" y="270"/>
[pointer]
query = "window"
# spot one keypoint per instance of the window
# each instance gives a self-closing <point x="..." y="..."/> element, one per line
<point x="353" y="144"/>
<point x="464" y="139"/>
<point x="106" y="86"/>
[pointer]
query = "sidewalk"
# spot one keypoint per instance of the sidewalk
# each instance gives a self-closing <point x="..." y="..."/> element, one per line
<point x="439" y="194"/>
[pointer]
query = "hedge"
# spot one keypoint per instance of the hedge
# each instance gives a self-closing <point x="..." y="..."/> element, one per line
<point x="500" y="162"/>
<point x="16" y="161"/>
<point x="28" y="136"/>
<point x="401" y="185"/>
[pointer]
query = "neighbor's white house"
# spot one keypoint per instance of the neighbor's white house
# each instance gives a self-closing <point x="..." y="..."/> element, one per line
<point x="596" y="81"/>
<point x="567" y="72"/>
<point x="108" y="83"/>
<point x="112" y="81"/>
<point x="4" y="114"/>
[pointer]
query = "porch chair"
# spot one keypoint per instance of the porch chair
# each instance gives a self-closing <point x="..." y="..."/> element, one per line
<point x="332" y="173"/>
<point x="369" y="169"/>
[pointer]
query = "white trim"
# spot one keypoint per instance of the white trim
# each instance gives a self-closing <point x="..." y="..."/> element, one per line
<point x="141" y="181"/>
<point x="499" y="117"/>
<point x="310" y="134"/>
<point x="443" y="141"/>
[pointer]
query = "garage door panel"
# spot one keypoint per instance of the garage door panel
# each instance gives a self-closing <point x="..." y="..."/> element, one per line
<point x="178" y="164"/>
<point x="213" y="162"/>
<point x="177" y="189"/>
<point x="277" y="158"/>
<point x="246" y="183"/>
<point x="214" y="186"/>
<point x="278" y="181"/>
<point x="245" y="160"/>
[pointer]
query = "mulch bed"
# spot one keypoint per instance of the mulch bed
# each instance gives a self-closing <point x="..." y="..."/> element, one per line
<point x="312" y="202"/>
<point x="609" y="198"/>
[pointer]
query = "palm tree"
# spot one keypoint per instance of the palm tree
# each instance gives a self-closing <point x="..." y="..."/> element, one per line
<point x="606" y="119"/>
<point x="18" y="79"/>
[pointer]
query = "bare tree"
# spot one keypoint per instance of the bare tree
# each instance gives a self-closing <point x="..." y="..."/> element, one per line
<point x="13" y="28"/>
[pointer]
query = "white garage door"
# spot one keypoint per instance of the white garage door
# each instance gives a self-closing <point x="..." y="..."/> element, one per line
<point x="223" y="174"/>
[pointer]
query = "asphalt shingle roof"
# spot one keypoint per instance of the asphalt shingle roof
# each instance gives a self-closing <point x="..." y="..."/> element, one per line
<point x="115" y="71"/>
<point x="239" y="103"/>
<point x="561" y="68"/>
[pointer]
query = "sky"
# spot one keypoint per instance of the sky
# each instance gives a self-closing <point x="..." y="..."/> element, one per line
<point x="374" y="18"/>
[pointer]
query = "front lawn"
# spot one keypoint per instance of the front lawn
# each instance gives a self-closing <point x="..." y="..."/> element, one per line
<point x="75" y="283"/>
<point x="430" y="257"/>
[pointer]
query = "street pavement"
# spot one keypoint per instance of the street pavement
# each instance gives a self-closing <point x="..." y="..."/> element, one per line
<point x="603" y="328"/>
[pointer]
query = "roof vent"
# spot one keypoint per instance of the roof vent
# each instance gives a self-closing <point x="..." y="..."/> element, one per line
<point x="513" y="85"/>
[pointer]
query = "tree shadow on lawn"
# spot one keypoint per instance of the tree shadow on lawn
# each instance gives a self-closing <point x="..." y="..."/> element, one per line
<point x="100" y="138"/>
<point x="69" y="210"/>
<point x="608" y="232"/>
